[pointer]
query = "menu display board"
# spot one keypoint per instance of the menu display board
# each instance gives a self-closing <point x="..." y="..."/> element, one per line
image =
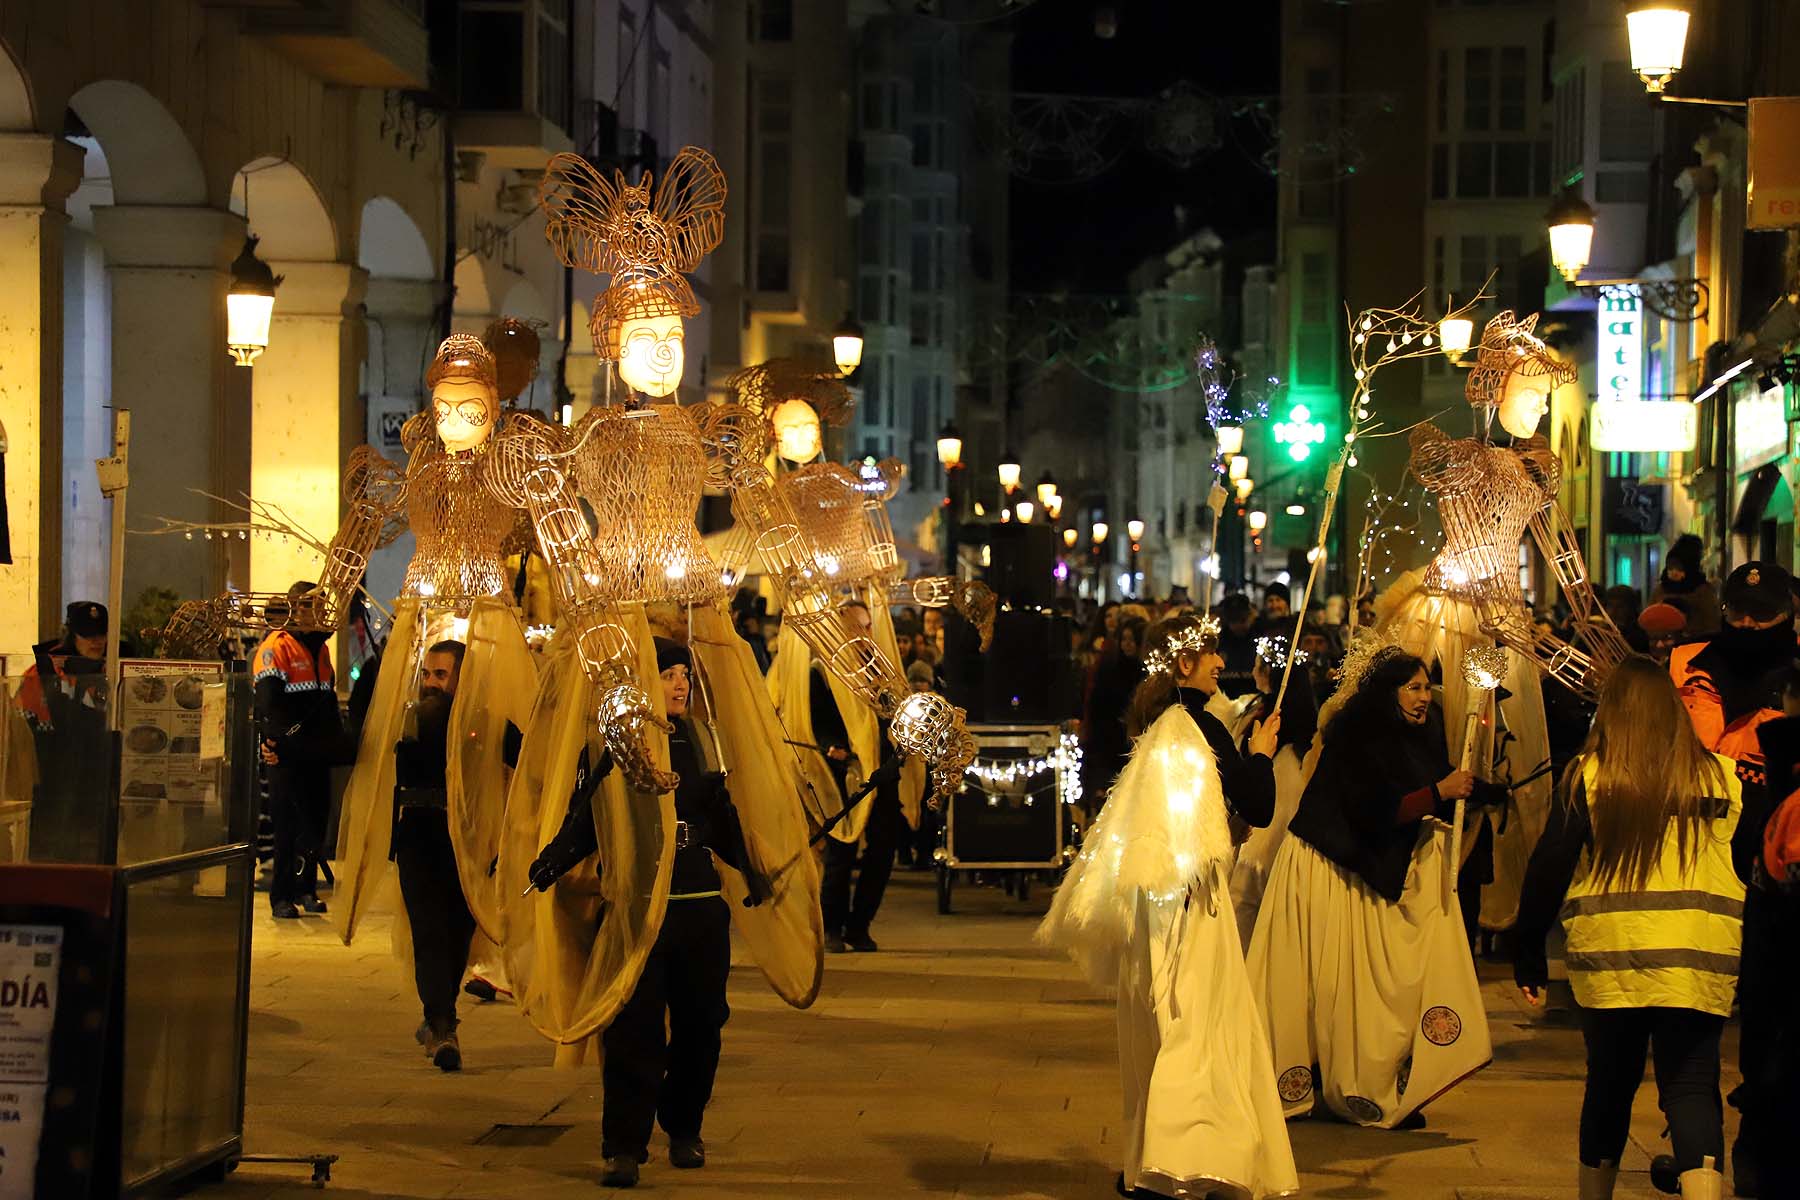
<point x="168" y="752"/>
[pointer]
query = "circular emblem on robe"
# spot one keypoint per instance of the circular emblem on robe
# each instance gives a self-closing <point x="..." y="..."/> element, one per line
<point x="1440" y="1025"/>
<point x="1405" y="1074"/>
<point x="1363" y="1110"/>
<point x="1295" y="1084"/>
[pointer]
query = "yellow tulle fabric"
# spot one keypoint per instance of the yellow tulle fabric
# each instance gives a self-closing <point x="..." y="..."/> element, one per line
<point x="785" y="933"/>
<point x="496" y="688"/>
<point x="574" y="953"/>
<point x="790" y="685"/>
<point x="912" y="773"/>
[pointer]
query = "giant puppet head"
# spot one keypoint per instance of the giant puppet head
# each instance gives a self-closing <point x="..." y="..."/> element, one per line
<point x="647" y="241"/>
<point x="1515" y="374"/>
<point x="465" y="401"/>
<point x="796" y="399"/>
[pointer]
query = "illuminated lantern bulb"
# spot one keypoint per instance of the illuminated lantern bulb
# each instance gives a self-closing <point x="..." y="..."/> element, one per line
<point x="1571" y="222"/>
<point x="1259" y="520"/>
<point x="1069" y="536"/>
<point x="1239" y="468"/>
<point x="1658" y="37"/>
<point x="1230" y="439"/>
<point x="249" y="305"/>
<point x="1025" y="509"/>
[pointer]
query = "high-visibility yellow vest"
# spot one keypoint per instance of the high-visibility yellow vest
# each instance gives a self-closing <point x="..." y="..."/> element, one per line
<point x="1672" y="943"/>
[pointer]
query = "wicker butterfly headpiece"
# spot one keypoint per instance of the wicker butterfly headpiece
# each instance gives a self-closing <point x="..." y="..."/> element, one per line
<point x="646" y="239"/>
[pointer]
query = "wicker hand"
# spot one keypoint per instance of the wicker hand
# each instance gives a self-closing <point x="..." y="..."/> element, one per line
<point x="625" y="716"/>
<point x="976" y="601"/>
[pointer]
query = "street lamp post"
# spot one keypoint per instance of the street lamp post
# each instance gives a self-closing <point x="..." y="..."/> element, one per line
<point x="949" y="448"/>
<point x="1098" y="539"/>
<point x="1134" y="529"/>
<point x="1571" y="223"/>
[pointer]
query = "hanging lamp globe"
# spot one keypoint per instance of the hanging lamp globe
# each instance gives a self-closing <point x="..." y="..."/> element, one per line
<point x="847" y="345"/>
<point x="1571" y="221"/>
<point x="950" y="446"/>
<point x="249" y="305"/>
<point x="1658" y="35"/>
<point x="1008" y="471"/>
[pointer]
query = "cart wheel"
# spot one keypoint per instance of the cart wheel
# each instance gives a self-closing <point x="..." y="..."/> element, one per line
<point x="943" y="890"/>
<point x="1024" y="887"/>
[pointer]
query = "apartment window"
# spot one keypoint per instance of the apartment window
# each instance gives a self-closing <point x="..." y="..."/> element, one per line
<point x="1440" y="172"/>
<point x="553" y="82"/>
<point x="921" y="262"/>
<point x="1475" y="170"/>
<point x="921" y="145"/>
<point x="1622" y="187"/>
<point x="774" y="102"/>
<point x="1571" y="123"/>
<point x="1443" y="91"/>
<point x="868" y="300"/>
<point x="921" y="323"/>
<point x="772" y="20"/>
<point x="1478" y="88"/>
<point x="1437" y="266"/>
<point x="1627" y="124"/>
<point x="874" y="232"/>
<point x="1512" y="89"/>
<point x="1512" y="170"/>
<point x="1472" y="263"/>
<point x="491" y="56"/>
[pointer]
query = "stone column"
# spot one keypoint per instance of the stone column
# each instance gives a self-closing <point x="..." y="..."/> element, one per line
<point x="402" y="337"/>
<point x="37" y="174"/>
<point x="169" y="271"/>
<point x="306" y="415"/>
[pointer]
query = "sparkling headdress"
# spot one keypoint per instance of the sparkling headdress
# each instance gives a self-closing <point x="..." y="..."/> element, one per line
<point x="1194" y="639"/>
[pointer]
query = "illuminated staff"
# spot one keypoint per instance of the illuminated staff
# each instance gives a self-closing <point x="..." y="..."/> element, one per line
<point x="1379" y="337"/>
<point x="1484" y="667"/>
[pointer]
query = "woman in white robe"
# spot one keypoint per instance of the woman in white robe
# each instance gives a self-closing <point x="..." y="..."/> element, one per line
<point x="1299" y="721"/>
<point x="1359" y="961"/>
<point x="1146" y="910"/>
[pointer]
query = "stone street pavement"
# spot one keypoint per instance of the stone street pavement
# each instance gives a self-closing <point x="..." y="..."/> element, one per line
<point x="959" y="1061"/>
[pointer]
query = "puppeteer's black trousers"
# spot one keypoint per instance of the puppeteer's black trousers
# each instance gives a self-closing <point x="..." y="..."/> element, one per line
<point x="847" y="914"/>
<point x="435" y="908"/>
<point x="651" y="1079"/>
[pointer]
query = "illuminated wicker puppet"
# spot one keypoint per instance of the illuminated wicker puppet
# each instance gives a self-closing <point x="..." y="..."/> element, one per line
<point x="640" y="467"/>
<point x="822" y="534"/>
<point x="1487" y="498"/>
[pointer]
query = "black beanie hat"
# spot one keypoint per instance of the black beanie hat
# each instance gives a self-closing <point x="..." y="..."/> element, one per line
<point x="671" y="654"/>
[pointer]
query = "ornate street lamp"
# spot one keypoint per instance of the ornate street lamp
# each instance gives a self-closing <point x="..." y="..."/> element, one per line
<point x="1455" y="334"/>
<point x="1046" y="488"/>
<point x="1658" y="36"/>
<point x="847" y="345"/>
<point x="249" y="305"/>
<point x="949" y="446"/>
<point x="1009" y="471"/>
<point x="1571" y="221"/>
<point x="1230" y="439"/>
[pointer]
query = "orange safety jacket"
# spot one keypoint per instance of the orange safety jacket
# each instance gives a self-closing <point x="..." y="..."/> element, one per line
<point x="1736" y="738"/>
<point x="281" y="656"/>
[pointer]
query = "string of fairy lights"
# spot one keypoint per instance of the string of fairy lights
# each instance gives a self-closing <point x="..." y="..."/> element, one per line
<point x="1395" y="536"/>
<point x="1065" y="760"/>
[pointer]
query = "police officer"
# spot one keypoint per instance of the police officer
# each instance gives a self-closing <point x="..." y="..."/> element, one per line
<point x="1731" y="684"/>
<point x="650" y="1078"/>
<point x="63" y="698"/>
<point x="296" y="705"/>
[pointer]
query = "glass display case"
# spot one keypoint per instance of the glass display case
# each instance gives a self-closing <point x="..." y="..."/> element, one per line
<point x="129" y="851"/>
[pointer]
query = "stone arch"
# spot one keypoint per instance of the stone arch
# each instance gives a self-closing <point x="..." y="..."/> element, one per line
<point x="389" y="244"/>
<point x="17" y="112"/>
<point x="285" y="211"/>
<point x="150" y="157"/>
<point x="474" y="291"/>
<point x="523" y="300"/>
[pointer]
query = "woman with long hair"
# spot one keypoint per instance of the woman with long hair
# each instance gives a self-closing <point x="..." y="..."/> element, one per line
<point x="1359" y="959"/>
<point x="1299" y="721"/>
<point x="1654" y="922"/>
<point x="1145" y="909"/>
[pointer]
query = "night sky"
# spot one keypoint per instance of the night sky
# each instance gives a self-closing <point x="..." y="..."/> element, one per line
<point x="1088" y="235"/>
